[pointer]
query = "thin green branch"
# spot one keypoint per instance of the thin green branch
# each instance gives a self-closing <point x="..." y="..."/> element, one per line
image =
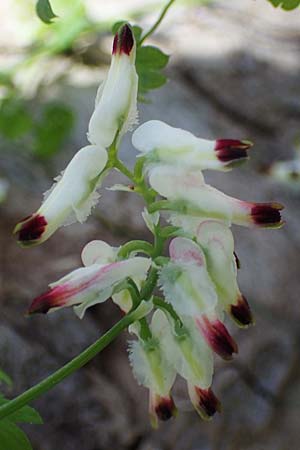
<point x="157" y="23"/>
<point x="65" y="371"/>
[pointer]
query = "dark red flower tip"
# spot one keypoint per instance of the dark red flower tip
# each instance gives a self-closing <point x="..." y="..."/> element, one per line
<point x="53" y="298"/>
<point x="267" y="214"/>
<point x="241" y="312"/>
<point x="165" y="408"/>
<point x="237" y="260"/>
<point x="217" y="337"/>
<point x="232" y="150"/>
<point x="30" y="229"/>
<point x="208" y="403"/>
<point x="123" y="41"/>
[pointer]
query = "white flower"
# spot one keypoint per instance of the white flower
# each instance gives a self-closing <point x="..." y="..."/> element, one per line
<point x="186" y="284"/>
<point x="71" y="198"/>
<point x="116" y="102"/>
<point x="162" y="143"/>
<point x="152" y="370"/>
<point x="92" y="284"/>
<point x="192" y="197"/>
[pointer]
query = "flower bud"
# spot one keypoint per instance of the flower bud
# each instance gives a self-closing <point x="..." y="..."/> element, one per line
<point x="163" y="144"/>
<point x="116" y="102"/>
<point x="71" y="198"/>
<point x="88" y="285"/>
<point x="204" y="400"/>
<point x="190" y="196"/>
<point x="217" y="336"/>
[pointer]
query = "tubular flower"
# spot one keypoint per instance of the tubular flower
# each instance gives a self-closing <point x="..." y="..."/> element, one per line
<point x="89" y="285"/>
<point x="116" y="102"/>
<point x="99" y="252"/>
<point x="152" y="370"/>
<point x="163" y="144"/>
<point x="188" y="194"/>
<point x="187" y="285"/>
<point x="190" y="357"/>
<point x="217" y="243"/>
<point x="71" y="198"/>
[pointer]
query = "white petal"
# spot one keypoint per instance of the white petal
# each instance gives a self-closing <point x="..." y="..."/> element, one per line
<point x="151" y="220"/>
<point x="98" y="252"/>
<point x="165" y="144"/>
<point x="217" y="242"/>
<point x="116" y="109"/>
<point x="185" y="281"/>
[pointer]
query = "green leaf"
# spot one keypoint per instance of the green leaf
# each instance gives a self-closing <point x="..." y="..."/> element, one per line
<point x="44" y="11"/>
<point x="26" y="414"/>
<point x="150" y="58"/>
<point x="137" y="31"/>
<point x="12" y="437"/>
<point x="49" y="134"/>
<point x="5" y="378"/>
<point x="287" y="5"/>
<point x="15" y="120"/>
<point x="151" y="80"/>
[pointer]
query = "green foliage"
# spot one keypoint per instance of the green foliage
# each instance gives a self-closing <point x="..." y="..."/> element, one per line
<point x="15" y="120"/>
<point x="287" y="5"/>
<point x="44" y="135"/>
<point x="54" y="126"/>
<point x="5" y="378"/>
<point x="149" y="63"/>
<point x="11" y="436"/>
<point x="44" y="11"/>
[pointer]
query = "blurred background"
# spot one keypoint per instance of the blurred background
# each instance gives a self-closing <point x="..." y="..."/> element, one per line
<point x="234" y="72"/>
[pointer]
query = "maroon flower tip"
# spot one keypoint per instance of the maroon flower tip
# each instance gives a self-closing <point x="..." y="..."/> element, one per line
<point x="237" y="260"/>
<point x="218" y="337"/>
<point x="123" y="41"/>
<point x="165" y="409"/>
<point x="232" y="150"/>
<point x="30" y="229"/>
<point x="208" y="403"/>
<point x="53" y="298"/>
<point x="241" y="312"/>
<point x="267" y="214"/>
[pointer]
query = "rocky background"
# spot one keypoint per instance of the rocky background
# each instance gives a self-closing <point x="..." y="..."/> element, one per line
<point x="234" y="72"/>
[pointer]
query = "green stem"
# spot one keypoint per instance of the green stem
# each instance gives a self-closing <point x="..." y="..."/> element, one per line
<point x="150" y="284"/>
<point x="157" y="23"/>
<point x="161" y="304"/>
<point x="62" y="373"/>
<point x="138" y="246"/>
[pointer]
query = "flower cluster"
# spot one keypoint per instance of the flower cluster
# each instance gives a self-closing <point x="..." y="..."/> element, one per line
<point x="198" y="278"/>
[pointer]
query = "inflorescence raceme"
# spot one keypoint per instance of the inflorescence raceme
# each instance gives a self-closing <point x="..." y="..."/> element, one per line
<point x="198" y="279"/>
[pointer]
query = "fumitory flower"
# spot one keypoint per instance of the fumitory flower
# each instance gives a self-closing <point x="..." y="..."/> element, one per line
<point x="116" y="102"/>
<point x="153" y="371"/>
<point x="161" y="143"/>
<point x="188" y="194"/>
<point x="217" y="242"/>
<point x="90" y="285"/>
<point x="189" y="354"/>
<point x="71" y="198"/>
<point x="187" y="285"/>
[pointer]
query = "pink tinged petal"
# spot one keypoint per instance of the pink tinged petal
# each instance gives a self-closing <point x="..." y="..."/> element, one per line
<point x="31" y="229"/>
<point x="123" y="41"/>
<point x="204" y="401"/>
<point x="87" y="283"/>
<point x="217" y="337"/>
<point x="241" y="312"/>
<point x="184" y="250"/>
<point x="231" y="150"/>
<point x="161" y="408"/>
